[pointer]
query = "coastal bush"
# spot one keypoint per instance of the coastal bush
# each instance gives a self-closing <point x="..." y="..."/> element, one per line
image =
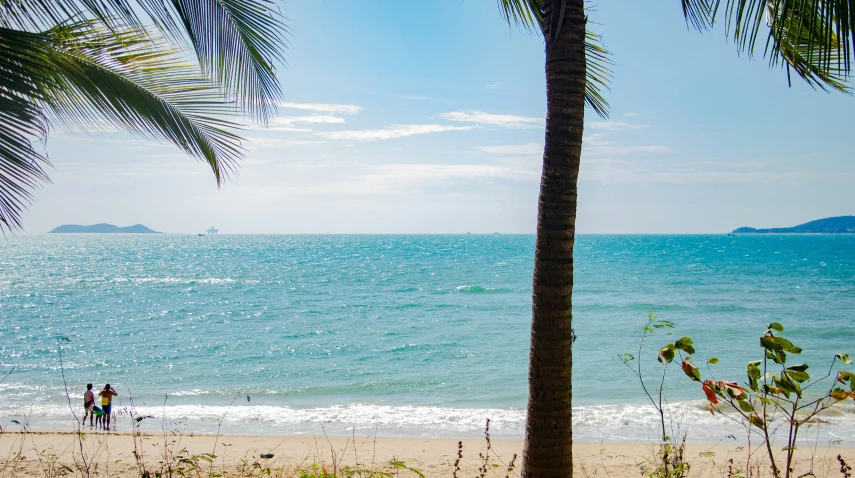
<point x="777" y="396"/>
<point x="669" y="455"/>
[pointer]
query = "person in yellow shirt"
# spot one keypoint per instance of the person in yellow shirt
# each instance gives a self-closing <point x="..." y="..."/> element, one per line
<point x="107" y="404"/>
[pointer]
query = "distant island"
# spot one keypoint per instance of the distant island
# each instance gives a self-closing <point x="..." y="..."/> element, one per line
<point x="102" y="229"/>
<point x="829" y="225"/>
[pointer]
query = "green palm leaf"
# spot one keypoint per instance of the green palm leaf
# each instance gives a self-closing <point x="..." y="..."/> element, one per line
<point x="598" y="73"/>
<point x="814" y="38"/>
<point x="529" y="14"/>
<point x="87" y="74"/>
<point x="20" y="163"/>
<point x="236" y="41"/>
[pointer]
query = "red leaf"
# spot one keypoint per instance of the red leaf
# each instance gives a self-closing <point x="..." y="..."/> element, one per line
<point x="710" y="395"/>
<point x="738" y="392"/>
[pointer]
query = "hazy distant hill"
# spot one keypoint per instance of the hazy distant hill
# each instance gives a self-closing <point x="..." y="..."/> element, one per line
<point x="829" y="225"/>
<point x="103" y="229"/>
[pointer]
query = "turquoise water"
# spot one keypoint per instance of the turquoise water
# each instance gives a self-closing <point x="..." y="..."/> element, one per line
<point x="406" y="335"/>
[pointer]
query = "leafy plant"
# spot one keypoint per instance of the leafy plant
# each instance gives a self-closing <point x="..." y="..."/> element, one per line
<point x="775" y="395"/>
<point x="669" y="460"/>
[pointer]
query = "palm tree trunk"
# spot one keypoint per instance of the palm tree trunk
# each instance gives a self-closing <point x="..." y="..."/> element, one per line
<point x="548" y="439"/>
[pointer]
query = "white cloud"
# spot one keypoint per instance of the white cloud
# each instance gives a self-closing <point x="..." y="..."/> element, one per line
<point x="258" y="142"/>
<point x="308" y="119"/>
<point x="324" y="108"/>
<point x="610" y="174"/>
<point x="444" y="171"/>
<point x="398" y="173"/>
<point x="390" y="132"/>
<point x="602" y="149"/>
<point x="530" y="149"/>
<point x="591" y="146"/>
<point x="286" y="123"/>
<point x="613" y="125"/>
<point x="503" y="121"/>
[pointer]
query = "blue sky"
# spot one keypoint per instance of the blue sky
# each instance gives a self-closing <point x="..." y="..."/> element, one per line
<point x="427" y="117"/>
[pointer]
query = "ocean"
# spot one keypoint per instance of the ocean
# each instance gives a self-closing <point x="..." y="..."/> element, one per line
<point x="423" y="335"/>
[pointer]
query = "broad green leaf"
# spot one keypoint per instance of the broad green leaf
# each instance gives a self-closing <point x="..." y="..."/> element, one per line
<point x="712" y="361"/>
<point x="685" y="344"/>
<point x="754" y="370"/>
<point x="769" y="343"/>
<point x="784" y="344"/>
<point x="798" y="368"/>
<point x="849" y="377"/>
<point x="745" y="405"/>
<point x="838" y="394"/>
<point x="776" y="326"/>
<point x="786" y="385"/>
<point x="756" y="420"/>
<point x="754" y="374"/>
<point x="844" y="358"/>
<point x="667" y="353"/>
<point x="798" y="376"/>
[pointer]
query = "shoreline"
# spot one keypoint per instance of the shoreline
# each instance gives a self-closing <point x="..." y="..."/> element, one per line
<point x="113" y="454"/>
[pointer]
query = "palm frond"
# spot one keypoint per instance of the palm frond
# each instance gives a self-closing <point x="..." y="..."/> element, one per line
<point x="140" y="83"/>
<point x="87" y="75"/>
<point x="700" y="13"/>
<point x="21" y="122"/>
<point x="598" y="64"/>
<point x="527" y="14"/>
<point x="236" y="41"/>
<point x="809" y="47"/>
<point x="598" y="73"/>
<point x="40" y="15"/>
<point x="814" y="38"/>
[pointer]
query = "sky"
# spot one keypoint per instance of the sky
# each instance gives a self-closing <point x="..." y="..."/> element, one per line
<point x="428" y="117"/>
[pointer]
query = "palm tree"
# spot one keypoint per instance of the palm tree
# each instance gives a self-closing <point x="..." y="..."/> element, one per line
<point x="127" y="64"/>
<point x="810" y="37"/>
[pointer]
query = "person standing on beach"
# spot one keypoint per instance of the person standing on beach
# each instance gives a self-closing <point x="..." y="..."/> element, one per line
<point x="107" y="404"/>
<point x="88" y="404"/>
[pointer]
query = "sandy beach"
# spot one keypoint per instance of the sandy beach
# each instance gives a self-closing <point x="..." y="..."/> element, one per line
<point x="112" y="454"/>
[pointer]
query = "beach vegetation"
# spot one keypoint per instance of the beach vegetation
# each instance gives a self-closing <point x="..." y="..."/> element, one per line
<point x="668" y="457"/>
<point x="778" y="397"/>
<point x="179" y="71"/>
<point x="811" y="39"/>
<point x="776" y="401"/>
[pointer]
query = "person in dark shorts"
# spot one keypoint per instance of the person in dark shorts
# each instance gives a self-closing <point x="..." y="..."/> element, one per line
<point x="107" y="404"/>
<point x="88" y="404"/>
